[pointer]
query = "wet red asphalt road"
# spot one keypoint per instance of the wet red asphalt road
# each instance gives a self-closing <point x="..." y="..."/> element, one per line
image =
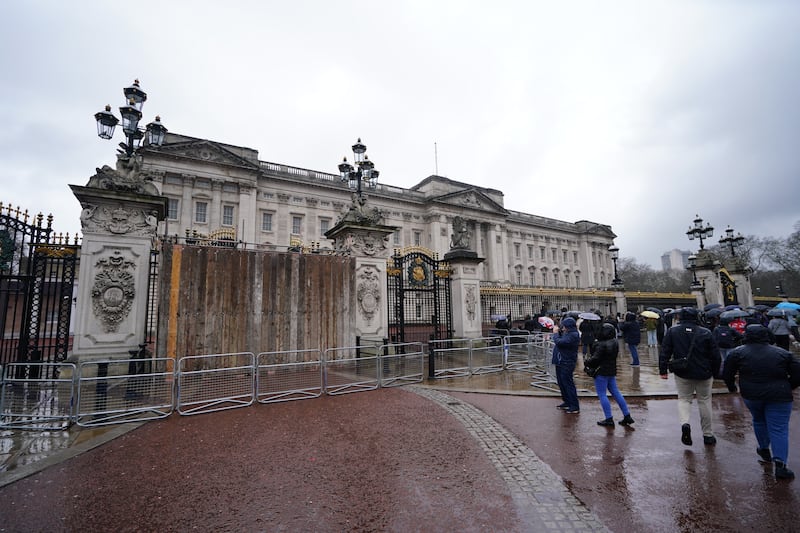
<point x="389" y="460"/>
<point x="644" y="479"/>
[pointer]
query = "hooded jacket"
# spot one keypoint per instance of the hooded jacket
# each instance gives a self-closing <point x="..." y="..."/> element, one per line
<point x="568" y="341"/>
<point x="604" y="352"/>
<point x="630" y="329"/>
<point x="704" y="361"/>
<point x="766" y="372"/>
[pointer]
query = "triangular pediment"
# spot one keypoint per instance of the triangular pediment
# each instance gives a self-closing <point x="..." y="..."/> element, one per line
<point x="471" y="198"/>
<point x="206" y="151"/>
<point x="595" y="228"/>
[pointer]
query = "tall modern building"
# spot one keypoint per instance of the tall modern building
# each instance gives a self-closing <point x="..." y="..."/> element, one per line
<point x="214" y="187"/>
<point x="675" y="260"/>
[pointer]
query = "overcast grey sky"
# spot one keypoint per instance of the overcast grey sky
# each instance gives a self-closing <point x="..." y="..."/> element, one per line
<point x="637" y="114"/>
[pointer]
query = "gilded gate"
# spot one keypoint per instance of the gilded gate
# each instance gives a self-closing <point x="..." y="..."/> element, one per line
<point x="37" y="274"/>
<point x="419" y="299"/>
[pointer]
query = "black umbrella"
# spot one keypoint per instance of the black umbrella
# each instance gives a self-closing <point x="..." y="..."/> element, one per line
<point x="709" y="307"/>
<point x="733" y="313"/>
<point x="715" y="312"/>
<point x="781" y="312"/>
<point x="656" y="310"/>
<point x="761" y="307"/>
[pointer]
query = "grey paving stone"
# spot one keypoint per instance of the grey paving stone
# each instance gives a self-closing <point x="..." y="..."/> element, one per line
<point x="540" y="495"/>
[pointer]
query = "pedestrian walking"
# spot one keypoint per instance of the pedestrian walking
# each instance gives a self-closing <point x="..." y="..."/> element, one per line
<point x="567" y="342"/>
<point x="651" y="326"/>
<point x="689" y="352"/>
<point x="632" y="335"/>
<point x="779" y="327"/>
<point x="767" y="375"/>
<point x="602" y="366"/>
<point x="588" y="332"/>
<point x="726" y="339"/>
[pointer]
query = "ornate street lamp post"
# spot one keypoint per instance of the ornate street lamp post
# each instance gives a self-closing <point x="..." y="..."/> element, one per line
<point x="696" y="285"/>
<point x="614" y="252"/>
<point x="131" y="115"/>
<point x="700" y="232"/>
<point x="364" y="171"/>
<point x="731" y="241"/>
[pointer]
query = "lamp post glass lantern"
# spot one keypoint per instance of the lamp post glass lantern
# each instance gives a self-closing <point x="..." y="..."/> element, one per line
<point x="697" y="231"/>
<point x="614" y="253"/>
<point x="363" y="172"/>
<point x="131" y="114"/>
<point x="696" y="285"/>
<point x="731" y="241"/>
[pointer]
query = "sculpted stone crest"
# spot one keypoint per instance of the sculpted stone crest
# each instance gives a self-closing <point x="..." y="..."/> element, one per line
<point x="470" y="302"/>
<point x="127" y="177"/>
<point x="460" y="237"/>
<point x="368" y="293"/>
<point x="113" y="291"/>
<point x="118" y="221"/>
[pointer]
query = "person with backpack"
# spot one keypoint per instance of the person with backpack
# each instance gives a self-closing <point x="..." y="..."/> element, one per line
<point x="601" y="365"/>
<point x="726" y="339"/>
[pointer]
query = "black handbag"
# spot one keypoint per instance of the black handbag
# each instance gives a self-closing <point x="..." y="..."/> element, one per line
<point x="681" y="363"/>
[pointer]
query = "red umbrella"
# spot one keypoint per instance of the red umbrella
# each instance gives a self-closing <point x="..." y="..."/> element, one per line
<point x="546" y="322"/>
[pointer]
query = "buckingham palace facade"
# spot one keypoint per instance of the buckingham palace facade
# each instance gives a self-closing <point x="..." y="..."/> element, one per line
<point x="220" y="189"/>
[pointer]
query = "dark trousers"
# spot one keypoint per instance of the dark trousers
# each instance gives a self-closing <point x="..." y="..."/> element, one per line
<point x="566" y="382"/>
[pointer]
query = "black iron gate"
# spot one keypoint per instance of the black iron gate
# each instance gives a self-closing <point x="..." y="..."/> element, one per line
<point x="37" y="274"/>
<point x="420" y="306"/>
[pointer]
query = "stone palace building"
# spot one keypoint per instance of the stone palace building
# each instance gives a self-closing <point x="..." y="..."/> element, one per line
<point x="216" y="189"/>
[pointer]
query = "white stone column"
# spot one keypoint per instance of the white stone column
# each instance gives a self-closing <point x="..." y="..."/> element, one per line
<point x="248" y="218"/>
<point x="118" y="231"/>
<point x="465" y="290"/>
<point x="369" y="245"/>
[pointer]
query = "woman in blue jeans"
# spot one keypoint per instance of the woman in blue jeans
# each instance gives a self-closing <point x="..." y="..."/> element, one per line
<point x="767" y="375"/>
<point x="632" y="335"/>
<point x="602" y="365"/>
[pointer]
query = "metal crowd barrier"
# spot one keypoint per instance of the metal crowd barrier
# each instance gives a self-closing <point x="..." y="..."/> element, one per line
<point x="542" y="368"/>
<point x="401" y="364"/>
<point x="352" y="369"/>
<point x="487" y="354"/>
<point x="208" y="383"/>
<point x="124" y="390"/>
<point x="29" y="401"/>
<point x="289" y="375"/>
<point x="100" y="393"/>
<point x="451" y="357"/>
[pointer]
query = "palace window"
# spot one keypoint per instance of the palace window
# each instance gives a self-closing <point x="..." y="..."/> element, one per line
<point x="201" y="212"/>
<point x="172" y="209"/>
<point x="324" y="226"/>
<point x="266" y="221"/>
<point x="227" y="215"/>
<point x="297" y="225"/>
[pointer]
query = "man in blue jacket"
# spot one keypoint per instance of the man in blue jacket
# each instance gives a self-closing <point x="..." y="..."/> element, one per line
<point x="567" y="341"/>
<point x="692" y="344"/>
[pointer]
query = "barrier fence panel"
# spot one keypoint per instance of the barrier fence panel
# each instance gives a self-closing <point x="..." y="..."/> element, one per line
<point x="521" y="351"/>
<point x="125" y="390"/>
<point x="487" y="354"/>
<point x="451" y="357"/>
<point x="543" y="369"/>
<point x="401" y="364"/>
<point x="208" y="383"/>
<point x="289" y="375"/>
<point x="30" y="401"/>
<point x="351" y="370"/>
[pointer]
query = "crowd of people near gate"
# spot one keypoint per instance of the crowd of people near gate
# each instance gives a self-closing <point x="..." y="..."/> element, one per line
<point x="749" y="349"/>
